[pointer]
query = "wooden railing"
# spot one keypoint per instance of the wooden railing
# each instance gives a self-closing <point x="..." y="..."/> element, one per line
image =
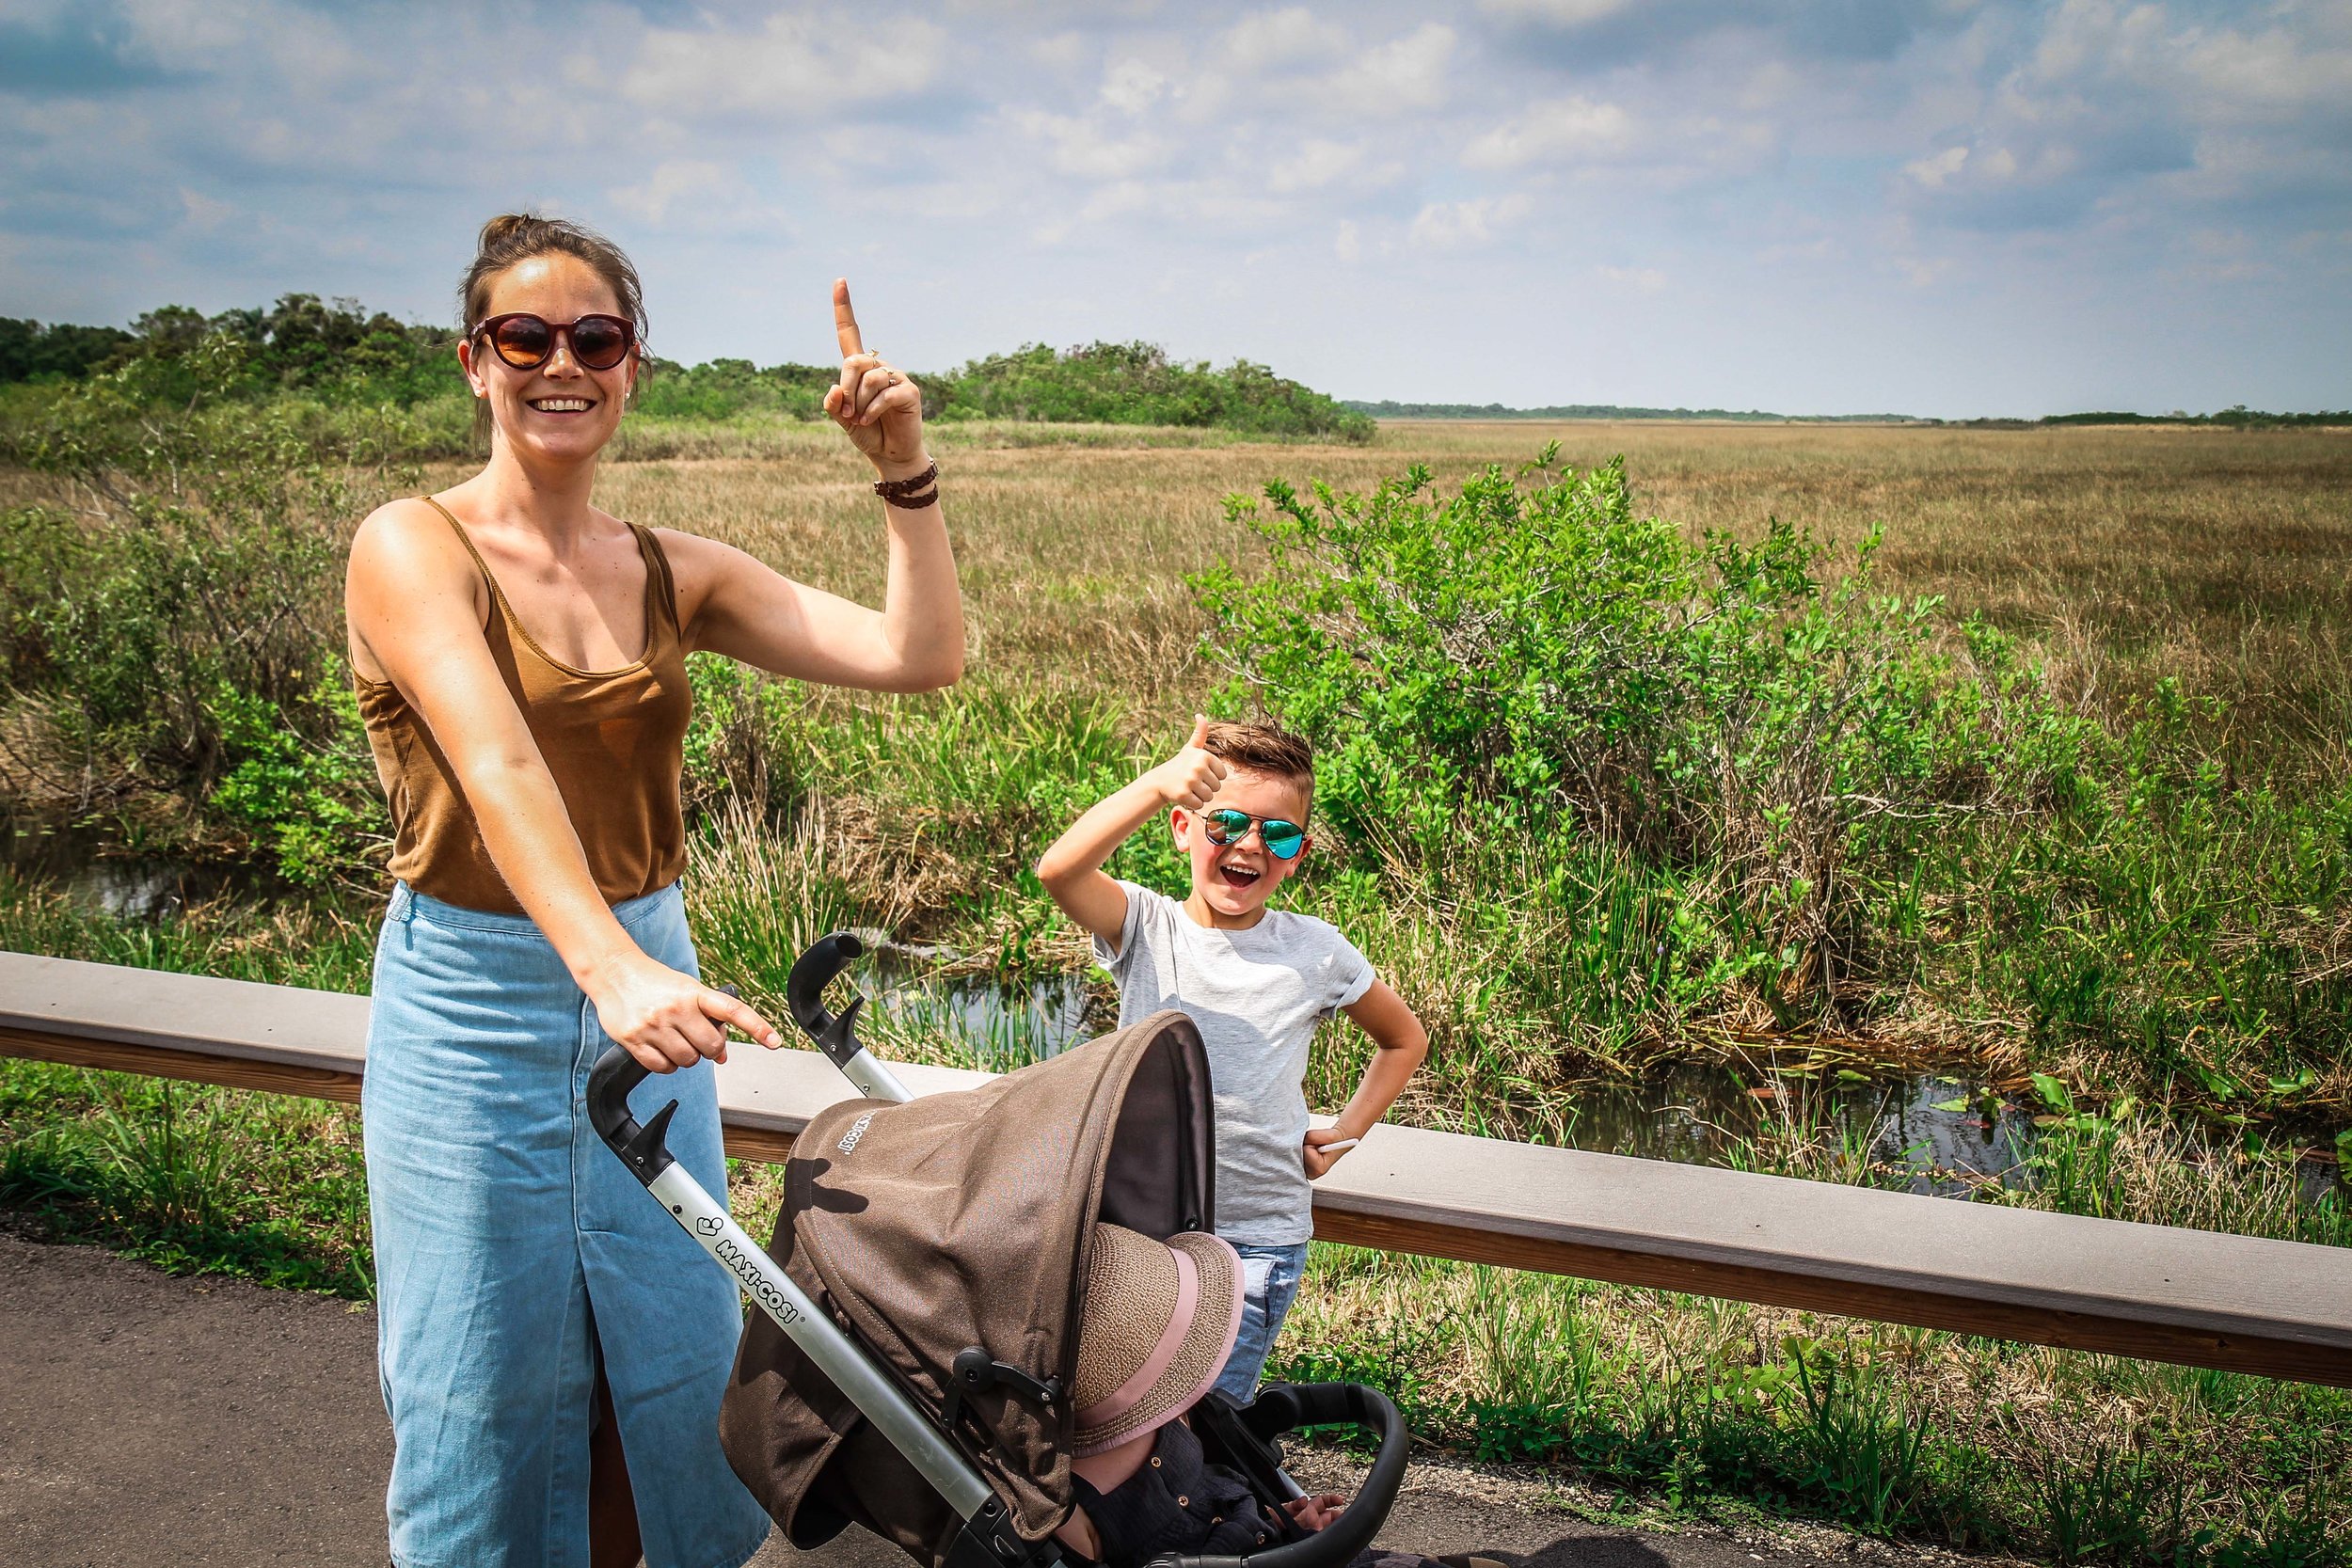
<point x="2201" y="1298"/>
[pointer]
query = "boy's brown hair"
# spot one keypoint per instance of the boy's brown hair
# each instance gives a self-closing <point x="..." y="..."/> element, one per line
<point x="1264" y="749"/>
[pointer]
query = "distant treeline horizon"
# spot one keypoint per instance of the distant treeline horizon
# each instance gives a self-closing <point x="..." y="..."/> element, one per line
<point x="339" y="349"/>
<point x="2237" y="415"/>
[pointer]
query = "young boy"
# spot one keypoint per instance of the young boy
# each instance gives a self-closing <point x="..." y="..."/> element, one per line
<point x="1256" y="981"/>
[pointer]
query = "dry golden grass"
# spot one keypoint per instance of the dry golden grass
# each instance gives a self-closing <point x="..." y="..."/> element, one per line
<point x="2128" y="553"/>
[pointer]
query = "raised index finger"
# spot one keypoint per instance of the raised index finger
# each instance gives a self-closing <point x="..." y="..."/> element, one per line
<point x="845" y="320"/>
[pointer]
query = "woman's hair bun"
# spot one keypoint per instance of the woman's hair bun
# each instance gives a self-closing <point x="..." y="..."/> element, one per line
<point x="503" y="229"/>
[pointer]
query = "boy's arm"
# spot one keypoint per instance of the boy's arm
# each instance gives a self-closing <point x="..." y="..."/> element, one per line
<point x="1403" y="1045"/>
<point x="1071" y="870"/>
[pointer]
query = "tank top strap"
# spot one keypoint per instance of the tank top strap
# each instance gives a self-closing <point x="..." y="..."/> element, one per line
<point x="498" y="594"/>
<point x="660" y="587"/>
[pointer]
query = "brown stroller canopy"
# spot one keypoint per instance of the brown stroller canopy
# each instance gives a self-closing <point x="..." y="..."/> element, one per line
<point x="958" y="1221"/>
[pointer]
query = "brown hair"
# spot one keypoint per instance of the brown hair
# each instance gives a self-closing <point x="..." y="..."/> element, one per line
<point x="513" y="238"/>
<point x="1263" y="748"/>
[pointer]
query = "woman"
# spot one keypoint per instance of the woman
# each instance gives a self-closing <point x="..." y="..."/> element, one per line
<point x="551" y="1344"/>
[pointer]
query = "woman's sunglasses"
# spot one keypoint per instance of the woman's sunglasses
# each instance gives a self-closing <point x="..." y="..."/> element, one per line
<point x="1282" y="840"/>
<point x="526" y="342"/>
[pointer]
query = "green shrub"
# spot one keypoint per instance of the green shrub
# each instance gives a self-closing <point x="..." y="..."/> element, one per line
<point x="1536" y="664"/>
<point x="1137" y="384"/>
<point x="168" y="625"/>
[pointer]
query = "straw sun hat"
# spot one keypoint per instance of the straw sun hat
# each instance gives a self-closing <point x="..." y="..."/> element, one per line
<point x="1160" y="1320"/>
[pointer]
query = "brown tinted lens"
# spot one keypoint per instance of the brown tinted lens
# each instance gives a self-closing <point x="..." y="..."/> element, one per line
<point x="523" y="341"/>
<point x="599" y="343"/>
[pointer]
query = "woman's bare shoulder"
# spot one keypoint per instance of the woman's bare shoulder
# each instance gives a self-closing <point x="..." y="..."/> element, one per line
<point x="698" y="564"/>
<point x="407" y="541"/>
<point x="691" y="550"/>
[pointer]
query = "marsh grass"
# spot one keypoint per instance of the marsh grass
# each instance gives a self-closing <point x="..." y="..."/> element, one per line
<point x="2186" y="945"/>
<point x="1905" y="1433"/>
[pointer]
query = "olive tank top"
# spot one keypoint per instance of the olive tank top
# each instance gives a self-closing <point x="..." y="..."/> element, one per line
<point x="613" y="740"/>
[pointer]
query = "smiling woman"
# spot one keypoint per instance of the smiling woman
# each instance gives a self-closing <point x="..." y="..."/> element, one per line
<point x="552" y="1347"/>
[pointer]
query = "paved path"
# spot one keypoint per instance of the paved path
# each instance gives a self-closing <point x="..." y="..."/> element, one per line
<point x="154" y="1421"/>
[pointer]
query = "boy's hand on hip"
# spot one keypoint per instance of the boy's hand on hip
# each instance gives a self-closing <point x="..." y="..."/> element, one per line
<point x="1191" y="778"/>
<point x="1312" y="1155"/>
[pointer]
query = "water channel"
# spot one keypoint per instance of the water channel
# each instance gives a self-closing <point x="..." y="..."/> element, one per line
<point x="1953" y="1135"/>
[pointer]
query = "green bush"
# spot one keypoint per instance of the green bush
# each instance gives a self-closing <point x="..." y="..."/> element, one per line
<point x="168" y="625"/>
<point x="1535" y="664"/>
<point x="1137" y="384"/>
<point x="725" y="389"/>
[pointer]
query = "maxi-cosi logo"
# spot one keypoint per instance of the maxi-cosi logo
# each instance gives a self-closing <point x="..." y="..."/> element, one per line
<point x="857" y="1131"/>
<point x="763" y="1290"/>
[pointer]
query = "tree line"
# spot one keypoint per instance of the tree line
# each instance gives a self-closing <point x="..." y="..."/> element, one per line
<point x="337" y="351"/>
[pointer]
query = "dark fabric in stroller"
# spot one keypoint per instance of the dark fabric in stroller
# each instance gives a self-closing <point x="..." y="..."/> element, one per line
<point x="961" y="1220"/>
<point x="1176" y="1502"/>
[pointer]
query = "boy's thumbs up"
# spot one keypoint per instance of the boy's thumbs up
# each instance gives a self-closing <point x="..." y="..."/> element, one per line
<point x="1190" y="778"/>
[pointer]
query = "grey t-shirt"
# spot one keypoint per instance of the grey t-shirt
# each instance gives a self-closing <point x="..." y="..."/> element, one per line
<point x="1257" y="996"/>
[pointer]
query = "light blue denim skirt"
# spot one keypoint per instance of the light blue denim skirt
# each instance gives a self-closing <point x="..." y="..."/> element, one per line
<point x="511" y="1245"/>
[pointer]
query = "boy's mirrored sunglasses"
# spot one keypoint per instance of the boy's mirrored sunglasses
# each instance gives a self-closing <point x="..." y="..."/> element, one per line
<point x="1282" y="840"/>
<point x="526" y="342"/>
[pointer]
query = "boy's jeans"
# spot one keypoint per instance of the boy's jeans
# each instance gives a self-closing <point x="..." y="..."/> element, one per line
<point x="1270" y="1280"/>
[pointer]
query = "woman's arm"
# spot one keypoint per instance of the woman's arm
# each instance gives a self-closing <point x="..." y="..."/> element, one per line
<point x="1401" y="1045"/>
<point x="415" y="605"/>
<point x="733" y="603"/>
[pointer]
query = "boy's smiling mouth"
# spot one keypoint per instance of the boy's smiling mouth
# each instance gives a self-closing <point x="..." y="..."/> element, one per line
<point x="1239" y="877"/>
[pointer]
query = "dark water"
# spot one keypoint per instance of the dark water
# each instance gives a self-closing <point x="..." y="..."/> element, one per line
<point x="127" y="887"/>
<point x="1003" y="1027"/>
<point x="1954" y="1135"/>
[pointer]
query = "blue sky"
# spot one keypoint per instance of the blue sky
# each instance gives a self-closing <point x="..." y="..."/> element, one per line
<point x="1946" y="207"/>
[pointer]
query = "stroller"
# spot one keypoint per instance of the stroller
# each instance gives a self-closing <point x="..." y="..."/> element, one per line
<point x="908" y="1371"/>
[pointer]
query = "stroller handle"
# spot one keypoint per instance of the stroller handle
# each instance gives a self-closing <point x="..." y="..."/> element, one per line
<point x="1284" y="1406"/>
<point x="837" y="1037"/>
<point x="644" y="1150"/>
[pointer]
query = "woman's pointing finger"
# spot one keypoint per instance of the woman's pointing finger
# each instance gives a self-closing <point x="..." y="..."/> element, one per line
<point x="845" y="320"/>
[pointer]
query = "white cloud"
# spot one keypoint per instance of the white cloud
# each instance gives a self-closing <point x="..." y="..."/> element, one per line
<point x="204" y="214"/>
<point x="1132" y="87"/>
<point x="1563" y="128"/>
<point x="649" y="201"/>
<point x="1317" y="164"/>
<point x="1348" y="246"/>
<point x="1932" y="171"/>
<point x="1060" y="51"/>
<point x="1564" y="13"/>
<point x="1461" y="225"/>
<point x="1080" y="149"/>
<point x="793" y="67"/>
<point x="1268" y="39"/>
<point x="1404" y="74"/>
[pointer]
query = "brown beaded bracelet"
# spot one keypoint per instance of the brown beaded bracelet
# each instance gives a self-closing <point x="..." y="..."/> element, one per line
<point x="891" y="489"/>
<point x="915" y="504"/>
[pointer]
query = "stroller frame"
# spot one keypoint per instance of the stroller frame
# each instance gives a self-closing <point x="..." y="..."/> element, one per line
<point x="1243" y="1436"/>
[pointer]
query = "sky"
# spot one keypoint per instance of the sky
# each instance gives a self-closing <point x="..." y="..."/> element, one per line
<point x="1938" y="207"/>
